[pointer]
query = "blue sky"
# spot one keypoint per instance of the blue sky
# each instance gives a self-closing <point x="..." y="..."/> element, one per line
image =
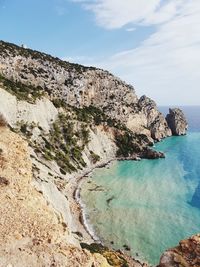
<point x="154" y="44"/>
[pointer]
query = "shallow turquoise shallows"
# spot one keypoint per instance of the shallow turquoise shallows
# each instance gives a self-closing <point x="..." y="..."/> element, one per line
<point x="148" y="205"/>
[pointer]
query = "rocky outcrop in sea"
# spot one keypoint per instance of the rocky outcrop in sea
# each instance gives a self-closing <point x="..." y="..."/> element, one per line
<point x="177" y="121"/>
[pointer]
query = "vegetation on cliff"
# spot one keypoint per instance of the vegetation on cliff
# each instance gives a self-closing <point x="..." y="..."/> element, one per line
<point x="24" y="92"/>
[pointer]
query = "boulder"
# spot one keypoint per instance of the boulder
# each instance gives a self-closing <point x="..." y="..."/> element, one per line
<point x="149" y="153"/>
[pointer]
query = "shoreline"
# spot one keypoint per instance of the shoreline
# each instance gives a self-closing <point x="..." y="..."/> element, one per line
<point x="80" y="220"/>
<point x="83" y="229"/>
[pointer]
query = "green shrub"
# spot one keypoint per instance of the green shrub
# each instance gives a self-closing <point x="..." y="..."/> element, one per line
<point x="28" y="93"/>
<point x="62" y="145"/>
<point x="95" y="157"/>
<point x="127" y="144"/>
<point x="58" y="103"/>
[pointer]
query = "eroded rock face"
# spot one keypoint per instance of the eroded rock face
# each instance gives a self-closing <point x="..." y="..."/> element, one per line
<point x="177" y="121"/>
<point x="32" y="230"/>
<point x="186" y="254"/>
<point x="156" y="122"/>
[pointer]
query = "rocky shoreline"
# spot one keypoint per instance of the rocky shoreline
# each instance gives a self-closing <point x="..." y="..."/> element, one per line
<point x="77" y="198"/>
<point x="83" y="229"/>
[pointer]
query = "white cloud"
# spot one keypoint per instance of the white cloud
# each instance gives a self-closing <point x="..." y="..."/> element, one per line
<point x="166" y="65"/>
<point x="131" y="29"/>
<point x="118" y="13"/>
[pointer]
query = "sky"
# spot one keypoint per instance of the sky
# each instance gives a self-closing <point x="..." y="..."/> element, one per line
<point x="152" y="44"/>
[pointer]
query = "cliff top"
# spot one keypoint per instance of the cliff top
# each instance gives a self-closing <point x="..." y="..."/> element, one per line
<point x="16" y="50"/>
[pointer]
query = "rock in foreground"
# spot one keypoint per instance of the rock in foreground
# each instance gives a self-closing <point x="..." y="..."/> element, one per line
<point x="177" y="121"/>
<point x="186" y="254"/>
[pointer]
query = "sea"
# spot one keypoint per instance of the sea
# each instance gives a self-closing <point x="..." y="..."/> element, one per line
<point x="148" y="206"/>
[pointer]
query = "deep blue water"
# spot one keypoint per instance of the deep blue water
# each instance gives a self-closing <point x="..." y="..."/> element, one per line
<point x="192" y="114"/>
<point x="152" y="204"/>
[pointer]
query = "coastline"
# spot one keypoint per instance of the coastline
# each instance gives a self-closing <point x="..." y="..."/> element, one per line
<point x="84" y="230"/>
<point x="78" y="210"/>
<point x="76" y="121"/>
<point x="81" y="227"/>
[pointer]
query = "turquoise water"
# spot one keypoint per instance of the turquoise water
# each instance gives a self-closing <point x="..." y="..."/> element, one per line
<point x="148" y="205"/>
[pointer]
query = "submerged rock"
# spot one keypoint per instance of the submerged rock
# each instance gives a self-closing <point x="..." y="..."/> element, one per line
<point x="177" y="121"/>
<point x="186" y="254"/>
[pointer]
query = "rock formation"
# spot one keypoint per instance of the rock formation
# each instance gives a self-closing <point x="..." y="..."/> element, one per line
<point x="72" y="119"/>
<point x="79" y="86"/>
<point x="33" y="231"/>
<point x="177" y="121"/>
<point x="156" y="123"/>
<point x="152" y="154"/>
<point x="187" y="254"/>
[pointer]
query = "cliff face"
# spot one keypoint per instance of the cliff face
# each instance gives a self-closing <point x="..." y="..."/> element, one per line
<point x="81" y="86"/>
<point x="74" y="116"/>
<point x="155" y="121"/>
<point x="33" y="231"/>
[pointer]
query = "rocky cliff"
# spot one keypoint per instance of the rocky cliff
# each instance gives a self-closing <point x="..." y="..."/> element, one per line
<point x="32" y="231"/>
<point x="75" y="85"/>
<point x="73" y="118"/>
